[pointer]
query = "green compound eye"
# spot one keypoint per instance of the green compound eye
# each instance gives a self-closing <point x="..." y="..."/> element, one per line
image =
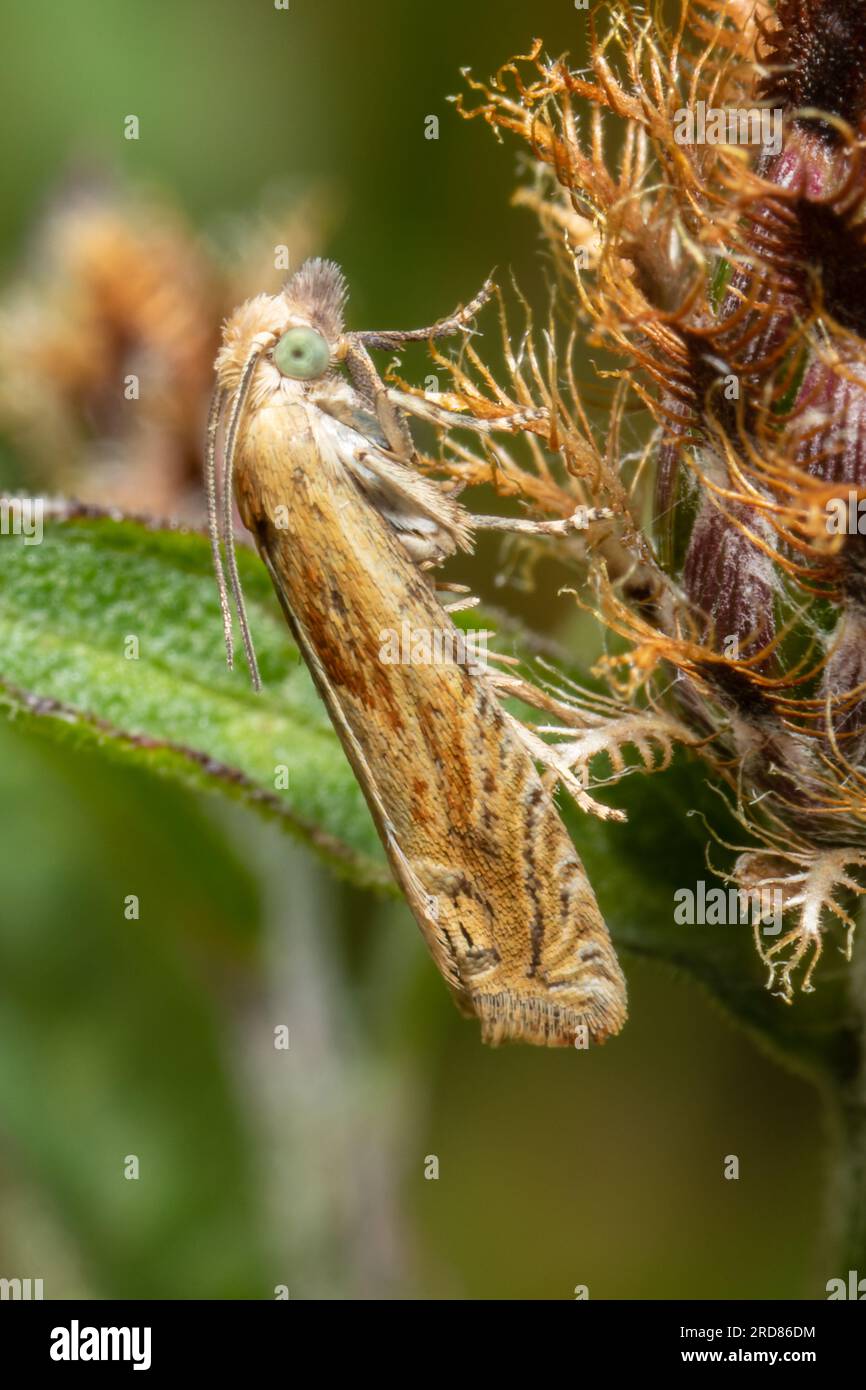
<point x="302" y="353"/>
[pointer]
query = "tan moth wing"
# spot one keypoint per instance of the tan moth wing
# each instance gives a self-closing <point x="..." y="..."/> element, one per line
<point x="473" y="838"/>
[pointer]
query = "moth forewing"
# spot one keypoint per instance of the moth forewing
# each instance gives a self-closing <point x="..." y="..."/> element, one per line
<point x="474" y="839"/>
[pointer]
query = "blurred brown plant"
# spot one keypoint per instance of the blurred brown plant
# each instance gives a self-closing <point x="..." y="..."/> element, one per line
<point x="116" y="284"/>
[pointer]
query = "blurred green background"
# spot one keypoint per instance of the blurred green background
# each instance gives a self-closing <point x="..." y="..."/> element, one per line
<point x="154" y="1037"/>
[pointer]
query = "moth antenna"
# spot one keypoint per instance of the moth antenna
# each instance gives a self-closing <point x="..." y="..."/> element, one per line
<point x="213" y="424"/>
<point x="228" y="518"/>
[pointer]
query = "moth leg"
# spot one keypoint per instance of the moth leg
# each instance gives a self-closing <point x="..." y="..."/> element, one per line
<point x="580" y="519"/>
<point x="461" y="605"/>
<point x="556" y="770"/>
<point x="428" y="407"/>
<point x="370" y="385"/>
<point x="465" y="598"/>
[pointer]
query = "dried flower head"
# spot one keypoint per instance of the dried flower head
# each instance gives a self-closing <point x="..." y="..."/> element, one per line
<point x="721" y="255"/>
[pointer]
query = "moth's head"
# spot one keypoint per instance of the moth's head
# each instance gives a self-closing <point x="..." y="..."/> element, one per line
<point x="310" y="343"/>
<point x="315" y="296"/>
<point x="299" y="333"/>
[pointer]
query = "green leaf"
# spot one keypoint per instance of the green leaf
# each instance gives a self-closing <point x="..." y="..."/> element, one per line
<point x="72" y="610"/>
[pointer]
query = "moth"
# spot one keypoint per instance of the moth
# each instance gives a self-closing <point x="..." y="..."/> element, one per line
<point x="314" y="439"/>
